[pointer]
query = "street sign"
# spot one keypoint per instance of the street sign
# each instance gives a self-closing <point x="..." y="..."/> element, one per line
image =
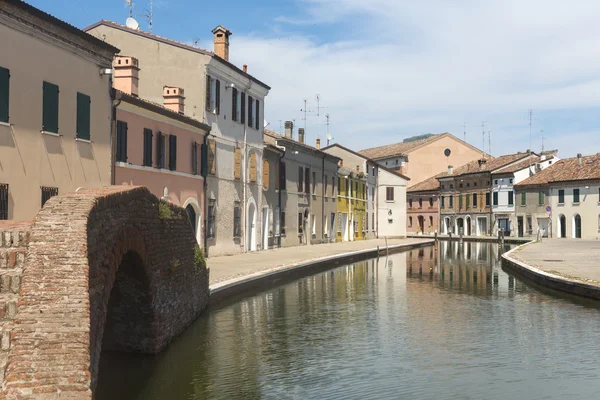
<point x="548" y="208"/>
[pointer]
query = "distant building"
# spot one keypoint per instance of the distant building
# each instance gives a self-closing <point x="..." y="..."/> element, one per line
<point x="273" y="196"/>
<point x="55" y="109"/>
<point x="391" y="203"/>
<point x="351" y="205"/>
<point x="423" y="207"/>
<point x="422" y="157"/>
<point x="571" y="189"/>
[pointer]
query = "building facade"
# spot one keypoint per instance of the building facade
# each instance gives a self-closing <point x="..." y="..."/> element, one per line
<point x="391" y="203"/>
<point x="351" y="205"/>
<point x="423" y="207"/>
<point x="272" y="197"/>
<point x="231" y="102"/>
<point x="55" y="109"/>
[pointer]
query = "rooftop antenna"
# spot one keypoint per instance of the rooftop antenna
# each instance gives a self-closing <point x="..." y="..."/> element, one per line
<point x="305" y="110"/>
<point x="542" y="133"/>
<point x="465" y="131"/>
<point x="148" y="15"/>
<point x="490" y="142"/>
<point x="483" y="136"/>
<point x="329" y="138"/>
<point x="530" y="117"/>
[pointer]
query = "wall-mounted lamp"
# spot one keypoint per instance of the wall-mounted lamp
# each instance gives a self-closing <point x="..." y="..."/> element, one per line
<point x="587" y="187"/>
<point x="229" y="85"/>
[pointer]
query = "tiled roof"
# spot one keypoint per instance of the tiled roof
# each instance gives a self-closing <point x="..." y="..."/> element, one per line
<point x="271" y="138"/>
<point x="396" y="149"/>
<point x="519" y="166"/>
<point x="426" y="185"/>
<point x="173" y="43"/>
<point x="566" y="170"/>
<point x="490" y="164"/>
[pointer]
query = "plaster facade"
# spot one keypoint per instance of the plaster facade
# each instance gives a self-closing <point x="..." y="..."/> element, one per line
<point x="391" y="212"/>
<point x="575" y="216"/>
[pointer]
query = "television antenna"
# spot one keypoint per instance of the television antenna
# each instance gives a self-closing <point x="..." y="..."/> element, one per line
<point x="305" y="110"/>
<point x="483" y="136"/>
<point x="131" y="22"/>
<point x="328" y="134"/>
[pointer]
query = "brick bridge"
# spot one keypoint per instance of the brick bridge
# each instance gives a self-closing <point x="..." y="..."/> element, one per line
<point x="100" y="269"/>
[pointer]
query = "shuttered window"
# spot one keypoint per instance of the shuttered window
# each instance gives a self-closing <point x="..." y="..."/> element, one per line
<point x="50" y="108"/>
<point x="250" y="103"/>
<point x="4" y="94"/>
<point x="266" y="174"/>
<point x="487" y="199"/>
<point x="47" y="193"/>
<point x="217" y="97"/>
<point x="511" y="196"/>
<point x="237" y="163"/>
<point x="451" y="200"/>
<point x="237" y="220"/>
<point x="541" y="199"/>
<point x="523" y="199"/>
<point x="83" y="116"/>
<point x="495" y="198"/>
<point x="172" y="152"/>
<point x="208" y="95"/>
<point x="212" y="147"/>
<point x="460" y="201"/>
<point x="243" y="109"/>
<point x="307" y="180"/>
<point x="257" y="116"/>
<point x="194" y="158"/>
<point x="3" y="201"/>
<point x="160" y="150"/>
<point x="204" y="160"/>
<point x="147" y="147"/>
<point x="234" y="104"/>
<point x="443" y="204"/>
<point x="389" y="193"/>
<point x="300" y="179"/>
<point x="468" y="203"/>
<point x="474" y="200"/>
<point x="277" y="171"/>
<point x="282" y="177"/>
<point x="121" y="141"/>
<point x="252" y="167"/>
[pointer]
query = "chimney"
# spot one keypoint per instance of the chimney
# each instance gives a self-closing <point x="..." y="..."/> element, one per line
<point x="579" y="159"/>
<point x="543" y="157"/>
<point x="341" y="163"/>
<point x="126" y="74"/>
<point x="482" y="162"/>
<point x="222" y="42"/>
<point x="301" y="135"/>
<point x="245" y="68"/>
<point x="289" y="129"/>
<point x="357" y="168"/>
<point x="318" y="143"/>
<point x="173" y="99"/>
<point x="450" y="169"/>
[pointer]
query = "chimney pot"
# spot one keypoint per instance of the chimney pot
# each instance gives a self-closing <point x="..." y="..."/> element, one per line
<point x="301" y="135"/>
<point x="579" y="159"/>
<point x="221" y="44"/>
<point x="126" y="76"/>
<point x="318" y="144"/>
<point x="173" y="99"/>
<point x="246" y="68"/>
<point x="450" y="169"/>
<point x="289" y="129"/>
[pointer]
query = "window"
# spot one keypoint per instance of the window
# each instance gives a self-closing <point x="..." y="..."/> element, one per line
<point x="495" y="198"/>
<point x="430" y="221"/>
<point x="541" y="199"/>
<point x="4" y="94"/>
<point x="83" y="116"/>
<point x="510" y="180"/>
<point x="365" y="222"/>
<point x="314" y="183"/>
<point x="257" y="117"/>
<point x="389" y="194"/>
<point x="300" y="223"/>
<point x="373" y="221"/>
<point x="561" y="196"/>
<point x="511" y="198"/>
<point x="460" y="201"/>
<point x="523" y="199"/>
<point x="409" y="221"/>
<point x="451" y="186"/>
<point x="495" y="181"/>
<point x="314" y="224"/>
<point x="237" y="220"/>
<point x="300" y="179"/>
<point x="325" y="179"/>
<point x="3" y="201"/>
<point x="50" y="108"/>
<point x="487" y="199"/>
<point x="460" y="185"/>
<point x="474" y="184"/>
<point x="147" y="162"/>
<point x="47" y="193"/>
<point x="266" y="174"/>
<point x="121" y="141"/>
<point x="172" y="152"/>
<point x="339" y="224"/>
<point x="451" y="198"/>
<point x="213" y="95"/>
<point x="250" y="114"/>
<point x="160" y="150"/>
<point x="332" y="186"/>
<point x="474" y="199"/>
<point x="420" y="203"/>
<point x="430" y="202"/>
<point x="237" y="163"/>
<point x="252" y="166"/>
<point x="282" y="176"/>
<point x="339" y="185"/>
<point x="242" y="109"/>
<point x="468" y="184"/>
<point x="307" y="180"/>
<point x="212" y="212"/>
<point x="235" y="98"/>
<point x="194" y="158"/>
<point x="468" y="201"/>
<point x="283" y="223"/>
<point x="410" y="203"/>
<point x="575" y="195"/>
<point x="443" y="201"/>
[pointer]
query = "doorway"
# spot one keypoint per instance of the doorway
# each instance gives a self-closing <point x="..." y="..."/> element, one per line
<point x="460" y="226"/>
<point x="251" y="224"/>
<point x="421" y="222"/>
<point x="265" y="228"/>
<point x="577" y="226"/>
<point x="562" y="226"/>
<point x="332" y="228"/>
<point x="468" y="223"/>
<point x="520" y="226"/>
<point x="344" y="227"/>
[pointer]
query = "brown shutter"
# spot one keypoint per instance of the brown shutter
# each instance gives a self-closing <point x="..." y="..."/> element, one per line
<point x="234" y="104"/>
<point x="266" y="174"/>
<point x="253" y="167"/>
<point x="237" y="163"/>
<point x="218" y="97"/>
<point x="207" y="92"/>
<point x="212" y="146"/>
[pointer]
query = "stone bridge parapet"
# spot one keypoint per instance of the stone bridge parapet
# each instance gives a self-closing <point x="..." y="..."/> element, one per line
<point x="111" y="268"/>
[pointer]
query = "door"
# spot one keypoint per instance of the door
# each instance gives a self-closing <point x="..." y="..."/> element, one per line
<point x="520" y="226"/>
<point x="265" y="228"/>
<point x="332" y="228"/>
<point x="468" y="221"/>
<point x="251" y="238"/>
<point x="563" y="226"/>
<point x="344" y="227"/>
<point x="421" y="220"/>
<point x="460" y="227"/>
<point x="577" y="226"/>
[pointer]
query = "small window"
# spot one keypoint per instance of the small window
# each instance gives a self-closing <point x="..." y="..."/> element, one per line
<point x="3" y="201"/>
<point x="237" y="220"/>
<point x="510" y="180"/>
<point x="561" y="196"/>
<point x="451" y="186"/>
<point x="172" y="152"/>
<point x="575" y="195"/>
<point x="4" y="94"/>
<point x="474" y="184"/>
<point x="83" y="116"/>
<point x="389" y="194"/>
<point x="523" y="199"/>
<point x="121" y="141"/>
<point x="50" y="108"/>
<point x="451" y="201"/>
<point x="147" y="162"/>
<point x="409" y="221"/>
<point x="443" y="187"/>
<point x="443" y="204"/>
<point x="495" y="198"/>
<point x="468" y="184"/>
<point x="300" y="223"/>
<point x="495" y="181"/>
<point x="212" y="212"/>
<point x="460" y="185"/>
<point x="47" y="193"/>
<point x="541" y="198"/>
<point x="511" y="196"/>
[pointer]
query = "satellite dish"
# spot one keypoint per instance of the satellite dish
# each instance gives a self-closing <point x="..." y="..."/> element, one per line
<point x="447" y="152"/>
<point x="329" y="137"/>
<point x="132" y="23"/>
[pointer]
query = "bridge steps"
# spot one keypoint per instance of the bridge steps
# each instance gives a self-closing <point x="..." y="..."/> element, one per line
<point x="14" y="237"/>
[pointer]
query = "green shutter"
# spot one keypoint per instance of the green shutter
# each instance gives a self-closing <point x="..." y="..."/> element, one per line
<point x="4" y="93"/>
<point x="50" y="108"/>
<point x="541" y="198"/>
<point x="523" y="199"/>
<point x="83" y="116"/>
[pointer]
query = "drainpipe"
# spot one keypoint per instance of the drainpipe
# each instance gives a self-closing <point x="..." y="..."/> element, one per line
<point x="205" y="212"/>
<point x="116" y="101"/>
<point x="282" y="148"/>
<point x="246" y="245"/>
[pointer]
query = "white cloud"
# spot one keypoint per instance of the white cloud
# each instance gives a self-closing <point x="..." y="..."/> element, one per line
<point x="398" y="68"/>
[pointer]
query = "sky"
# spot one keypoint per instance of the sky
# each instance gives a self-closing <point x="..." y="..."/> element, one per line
<point x="385" y="70"/>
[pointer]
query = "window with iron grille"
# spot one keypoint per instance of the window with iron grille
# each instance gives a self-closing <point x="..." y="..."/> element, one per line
<point x="212" y="211"/>
<point x="3" y="201"/>
<point x="237" y="220"/>
<point x="47" y="193"/>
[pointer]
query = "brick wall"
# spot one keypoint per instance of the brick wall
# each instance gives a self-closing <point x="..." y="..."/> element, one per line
<point x="105" y="264"/>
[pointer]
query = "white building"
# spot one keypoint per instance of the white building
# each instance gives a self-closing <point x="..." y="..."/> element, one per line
<point x="391" y="203"/>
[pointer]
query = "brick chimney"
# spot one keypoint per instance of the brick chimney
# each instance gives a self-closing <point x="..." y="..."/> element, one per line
<point x="301" y="135"/>
<point x="126" y="74"/>
<point x="173" y="99"/>
<point x="579" y="159"/>
<point x="482" y="163"/>
<point x="246" y="68"/>
<point x="289" y="129"/>
<point x="318" y="143"/>
<point x="450" y="169"/>
<point x="222" y="42"/>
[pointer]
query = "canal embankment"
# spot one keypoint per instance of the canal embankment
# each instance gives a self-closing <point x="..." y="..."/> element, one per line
<point x="232" y="275"/>
<point x="570" y="266"/>
<point x="481" y="239"/>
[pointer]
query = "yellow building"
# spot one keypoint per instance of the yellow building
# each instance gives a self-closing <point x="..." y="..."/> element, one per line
<point x="352" y="221"/>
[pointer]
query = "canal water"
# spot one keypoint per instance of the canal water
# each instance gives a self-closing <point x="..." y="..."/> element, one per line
<point x="445" y="323"/>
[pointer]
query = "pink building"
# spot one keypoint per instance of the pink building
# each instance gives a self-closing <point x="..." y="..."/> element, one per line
<point x="157" y="146"/>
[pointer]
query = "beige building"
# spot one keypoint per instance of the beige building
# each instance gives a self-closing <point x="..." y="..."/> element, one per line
<point x="421" y="158"/>
<point x="55" y="109"/>
<point x="391" y="206"/>
<point x="231" y="102"/>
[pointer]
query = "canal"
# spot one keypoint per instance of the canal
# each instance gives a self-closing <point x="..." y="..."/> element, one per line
<point x="445" y="323"/>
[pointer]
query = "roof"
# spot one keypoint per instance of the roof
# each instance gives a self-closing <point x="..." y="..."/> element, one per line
<point x="404" y="148"/>
<point x="175" y="43"/>
<point x="566" y="170"/>
<point x="272" y="138"/>
<point x="348" y="150"/>
<point x="62" y="24"/>
<point x="520" y="165"/>
<point x="393" y="172"/>
<point x="491" y="164"/>
<point x="427" y="185"/>
<point x="160" y="109"/>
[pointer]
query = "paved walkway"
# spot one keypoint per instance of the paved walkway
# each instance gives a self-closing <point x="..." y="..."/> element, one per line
<point x="231" y="267"/>
<point x="573" y="259"/>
